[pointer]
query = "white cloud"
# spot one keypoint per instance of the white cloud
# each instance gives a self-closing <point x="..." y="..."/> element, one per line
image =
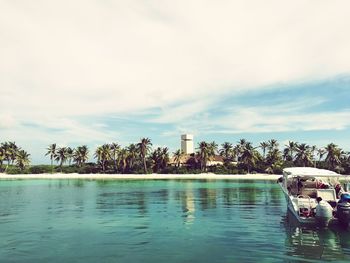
<point x="186" y="110"/>
<point x="7" y="121"/>
<point x="63" y="59"/>
<point x="84" y="57"/>
<point x="263" y="120"/>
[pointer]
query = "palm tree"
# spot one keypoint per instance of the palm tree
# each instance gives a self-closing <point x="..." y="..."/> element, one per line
<point x="273" y="160"/>
<point x="286" y="155"/>
<point x="81" y="155"/>
<point x="133" y="154"/>
<point x="205" y="152"/>
<point x="303" y="155"/>
<point x="226" y="151"/>
<point x="22" y="159"/>
<point x="164" y="158"/>
<point x="103" y="155"/>
<point x="51" y="150"/>
<point x="264" y="146"/>
<point x="155" y="158"/>
<point x="6" y="152"/>
<point x="115" y="148"/>
<point x="333" y="156"/>
<point x="248" y="156"/>
<point x="178" y="155"/>
<point x="213" y="146"/>
<point x="144" y="147"/>
<point x="242" y="143"/>
<point x="272" y="144"/>
<point x="123" y="157"/>
<point x="2" y="157"/>
<point x="70" y="152"/>
<point x="289" y="150"/>
<point x="61" y="156"/>
<point x="236" y="152"/>
<point x="13" y="151"/>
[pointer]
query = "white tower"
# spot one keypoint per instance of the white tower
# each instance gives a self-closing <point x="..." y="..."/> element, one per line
<point x="187" y="143"/>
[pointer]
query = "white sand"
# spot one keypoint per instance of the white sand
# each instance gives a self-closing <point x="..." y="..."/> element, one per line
<point x="209" y="176"/>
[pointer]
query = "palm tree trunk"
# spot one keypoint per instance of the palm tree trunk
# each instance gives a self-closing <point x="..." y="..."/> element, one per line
<point x="124" y="166"/>
<point x="144" y="165"/>
<point x="115" y="164"/>
<point x="103" y="166"/>
<point x="7" y="165"/>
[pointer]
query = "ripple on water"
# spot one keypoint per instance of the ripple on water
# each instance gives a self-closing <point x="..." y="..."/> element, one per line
<point x="157" y="221"/>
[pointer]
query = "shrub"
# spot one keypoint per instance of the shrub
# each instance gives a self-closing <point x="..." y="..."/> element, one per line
<point x="69" y="169"/>
<point x="219" y="169"/>
<point x="88" y="169"/>
<point x="169" y="170"/>
<point x="40" y="169"/>
<point x="14" y="170"/>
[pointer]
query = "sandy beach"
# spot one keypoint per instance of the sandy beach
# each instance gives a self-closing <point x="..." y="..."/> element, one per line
<point x="207" y="176"/>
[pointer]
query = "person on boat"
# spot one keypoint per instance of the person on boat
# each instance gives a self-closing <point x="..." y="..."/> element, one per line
<point x="322" y="185"/>
<point x="299" y="185"/>
<point x="338" y="190"/>
<point x="322" y="202"/>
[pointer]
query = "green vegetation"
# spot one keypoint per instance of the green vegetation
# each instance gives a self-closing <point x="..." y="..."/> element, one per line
<point x="12" y="154"/>
<point x="230" y="158"/>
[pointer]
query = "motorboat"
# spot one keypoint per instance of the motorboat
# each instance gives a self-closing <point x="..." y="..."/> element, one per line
<point x="316" y="196"/>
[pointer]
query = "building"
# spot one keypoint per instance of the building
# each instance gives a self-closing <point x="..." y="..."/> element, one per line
<point x="187" y="144"/>
<point x="216" y="160"/>
<point x="190" y="159"/>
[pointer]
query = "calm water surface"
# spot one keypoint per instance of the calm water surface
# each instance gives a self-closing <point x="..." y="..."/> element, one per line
<point x="156" y="221"/>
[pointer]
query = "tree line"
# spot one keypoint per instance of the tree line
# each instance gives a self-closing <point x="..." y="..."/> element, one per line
<point x="242" y="157"/>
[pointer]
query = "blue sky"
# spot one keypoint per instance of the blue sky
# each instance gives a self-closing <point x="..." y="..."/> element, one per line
<point x="312" y="112"/>
<point x="91" y="72"/>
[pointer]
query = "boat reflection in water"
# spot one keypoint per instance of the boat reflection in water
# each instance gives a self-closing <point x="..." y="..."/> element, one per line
<point x="311" y="242"/>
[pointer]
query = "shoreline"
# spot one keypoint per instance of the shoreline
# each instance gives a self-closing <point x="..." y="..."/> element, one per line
<point x="206" y="176"/>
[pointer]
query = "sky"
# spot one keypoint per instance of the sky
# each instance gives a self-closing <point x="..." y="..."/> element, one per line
<point x="92" y="72"/>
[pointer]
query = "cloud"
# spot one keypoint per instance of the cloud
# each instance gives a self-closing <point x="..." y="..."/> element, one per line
<point x="178" y="113"/>
<point x="279" y="119"/>
<point x="65" y="60"/>
<point x="7" y="121"/>
<point x="281" y="115"/>
<point x="88" y="57"/>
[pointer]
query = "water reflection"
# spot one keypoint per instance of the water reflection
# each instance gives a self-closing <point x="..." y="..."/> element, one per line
<point x="307" y="242"/>
<point x="230" y="196"/>
<point x="107" y="202"/>
<point x="152" y="221"/>
<point x="207" y="198"/>
<point x="187" y="199"/>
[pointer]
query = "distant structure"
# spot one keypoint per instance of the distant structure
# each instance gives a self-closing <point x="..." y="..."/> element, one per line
<point x="187" y="143"/>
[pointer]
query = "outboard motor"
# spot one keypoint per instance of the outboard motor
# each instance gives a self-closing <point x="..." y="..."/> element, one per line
<point x="343" y="209"/>
<point x="324" y="213"/>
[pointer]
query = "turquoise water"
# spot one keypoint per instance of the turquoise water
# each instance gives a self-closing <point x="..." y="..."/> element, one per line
<point x="156" y="221"/>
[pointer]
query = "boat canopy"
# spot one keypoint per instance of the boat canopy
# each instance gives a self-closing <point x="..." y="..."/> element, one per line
<point x="309" y="171"/>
